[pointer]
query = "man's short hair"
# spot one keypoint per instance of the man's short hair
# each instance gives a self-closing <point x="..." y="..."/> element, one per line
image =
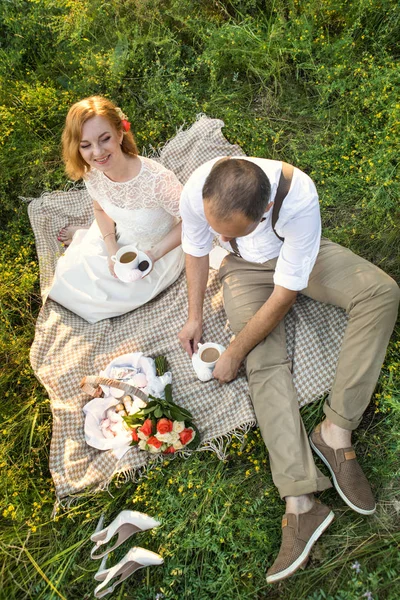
<point x="237" y="185"/>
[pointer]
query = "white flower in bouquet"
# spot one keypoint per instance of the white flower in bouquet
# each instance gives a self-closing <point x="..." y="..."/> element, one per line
<point x="178" y="445"/>
<point x="152" y="449"/>
<point x="137" y="405"/>
<point x="178" y="426"/>
<point x="170" y="438"/>
<point x="142" y="444"/>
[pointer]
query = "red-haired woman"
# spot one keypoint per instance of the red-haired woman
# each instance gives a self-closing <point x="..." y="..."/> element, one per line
<point x="135" y="201"/>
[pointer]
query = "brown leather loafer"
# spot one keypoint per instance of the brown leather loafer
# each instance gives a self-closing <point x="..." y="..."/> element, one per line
<point x="299" y="534"/>
<point x="348" y="477"/>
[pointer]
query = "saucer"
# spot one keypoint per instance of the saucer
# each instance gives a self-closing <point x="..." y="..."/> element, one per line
<point x="122" y="275"/>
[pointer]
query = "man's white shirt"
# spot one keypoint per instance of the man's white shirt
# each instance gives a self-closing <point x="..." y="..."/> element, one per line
<point x="299" y="224"/>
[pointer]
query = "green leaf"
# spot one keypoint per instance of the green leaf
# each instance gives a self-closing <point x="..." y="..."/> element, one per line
<point x="158" y="412"/>
<point x="133" y="420"/>
<point x="151" y="404"/>
<point x="148" y="411"/>
<point x="196" y="440"/>
<point x="186" y="415"/>
<point x="177" y="414"/>
<point x="168" y="392"/>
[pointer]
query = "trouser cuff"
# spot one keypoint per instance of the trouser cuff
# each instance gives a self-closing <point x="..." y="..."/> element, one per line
<point x="339" y="420"/>
<point x="309" y="486"/>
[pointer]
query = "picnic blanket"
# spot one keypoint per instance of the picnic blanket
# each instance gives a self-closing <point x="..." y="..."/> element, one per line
<point x="66" y="348"/>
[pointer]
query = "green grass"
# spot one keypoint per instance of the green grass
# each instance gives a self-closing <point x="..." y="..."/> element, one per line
<point x="312" y="83"/>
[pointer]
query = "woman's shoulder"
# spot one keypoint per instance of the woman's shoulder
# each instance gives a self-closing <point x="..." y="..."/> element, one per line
<point x="91" y="176"/>
<point x="152" y="165"/>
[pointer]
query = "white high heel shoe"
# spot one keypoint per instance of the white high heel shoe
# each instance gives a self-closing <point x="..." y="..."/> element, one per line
<point x="135" y="559"/>
<point x="124" y="525"/>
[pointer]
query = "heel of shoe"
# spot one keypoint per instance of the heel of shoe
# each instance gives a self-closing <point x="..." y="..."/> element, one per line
<point x="102" y="572"/>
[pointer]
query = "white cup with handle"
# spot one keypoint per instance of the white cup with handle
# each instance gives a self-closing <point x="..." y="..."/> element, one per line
<point x="126" y="259"/>
<point x="209" y="353"/>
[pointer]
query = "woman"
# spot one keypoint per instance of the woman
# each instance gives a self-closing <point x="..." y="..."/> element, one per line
<point x="135" y="201"/>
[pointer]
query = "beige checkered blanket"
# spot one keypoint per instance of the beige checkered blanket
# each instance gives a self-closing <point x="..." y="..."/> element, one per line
<point x="66" y="347"/>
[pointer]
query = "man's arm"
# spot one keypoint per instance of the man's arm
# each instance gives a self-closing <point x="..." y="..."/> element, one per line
<point x="196" y="276"/>
<point x="259" y="326"/>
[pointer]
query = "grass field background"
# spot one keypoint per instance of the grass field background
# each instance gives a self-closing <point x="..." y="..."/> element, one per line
<point x="314" y="83"/>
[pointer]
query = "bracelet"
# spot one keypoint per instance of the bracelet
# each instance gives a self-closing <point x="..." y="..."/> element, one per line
<point x="107" y="234"/>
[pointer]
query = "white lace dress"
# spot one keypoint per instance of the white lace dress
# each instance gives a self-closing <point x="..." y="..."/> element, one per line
<point x="144" y="209"/>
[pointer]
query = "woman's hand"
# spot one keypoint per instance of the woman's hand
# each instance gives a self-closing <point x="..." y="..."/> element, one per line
<point x="111" y="267"/>
<point x="153" y="259"/>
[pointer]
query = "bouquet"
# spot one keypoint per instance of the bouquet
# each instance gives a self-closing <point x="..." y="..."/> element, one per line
<point x="140" y="417"/>
<point x="162" y="426"/>
<point x="133" y="405"/>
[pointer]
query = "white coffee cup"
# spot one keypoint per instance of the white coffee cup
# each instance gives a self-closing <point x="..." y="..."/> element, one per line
<point x="209" y="353"/>
<point x="127" y="258"/>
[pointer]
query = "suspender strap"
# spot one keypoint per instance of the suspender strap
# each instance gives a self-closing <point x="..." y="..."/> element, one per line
<point x="235" y="248"/>
<point x="281" y="193"/>
<point x="285" y="181"/>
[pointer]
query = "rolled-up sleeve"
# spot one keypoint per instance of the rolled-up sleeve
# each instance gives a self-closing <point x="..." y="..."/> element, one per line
<point x="197" y="239"/>
<point x="299" y="251"/>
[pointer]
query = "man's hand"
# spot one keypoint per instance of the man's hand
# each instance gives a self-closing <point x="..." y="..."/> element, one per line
<point x="190" y="335"/>
<point x="227" y="367"/>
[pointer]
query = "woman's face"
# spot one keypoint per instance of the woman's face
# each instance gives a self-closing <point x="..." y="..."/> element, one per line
<point x="100" y="144"/>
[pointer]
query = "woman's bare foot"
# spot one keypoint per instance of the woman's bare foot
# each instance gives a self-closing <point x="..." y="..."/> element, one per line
<point x="66" y="234"/>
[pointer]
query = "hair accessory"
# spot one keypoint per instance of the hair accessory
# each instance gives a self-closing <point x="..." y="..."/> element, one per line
<point x="124" y="119"/>
<point x="126" y="125"/>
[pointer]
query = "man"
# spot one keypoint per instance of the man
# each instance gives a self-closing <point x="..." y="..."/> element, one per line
<point x="268" y="264"/>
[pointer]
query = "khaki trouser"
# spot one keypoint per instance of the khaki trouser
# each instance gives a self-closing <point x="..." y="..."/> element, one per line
<point x="370" y="298"/>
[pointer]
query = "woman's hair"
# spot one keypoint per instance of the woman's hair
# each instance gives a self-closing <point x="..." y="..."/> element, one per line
<point x="78" y="114"/>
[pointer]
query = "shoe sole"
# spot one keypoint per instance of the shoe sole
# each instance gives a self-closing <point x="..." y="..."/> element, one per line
<point x="343" y="496"/>
<point x="304" y="555"/>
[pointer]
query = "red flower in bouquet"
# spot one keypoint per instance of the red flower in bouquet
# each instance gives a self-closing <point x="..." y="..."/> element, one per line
<point x="153" y="441"/>
<point x="186" y="435"/>
<point x="169" y="450"/>
<point x="164" y="426"/>
<point x="134" y="435"/>
<point x="146" y="428"/>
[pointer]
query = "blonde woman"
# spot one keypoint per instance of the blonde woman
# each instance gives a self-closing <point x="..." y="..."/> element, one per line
<point x="135" y="201"/>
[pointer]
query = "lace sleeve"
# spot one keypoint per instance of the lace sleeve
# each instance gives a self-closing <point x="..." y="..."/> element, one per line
<point x="167" y="192"/>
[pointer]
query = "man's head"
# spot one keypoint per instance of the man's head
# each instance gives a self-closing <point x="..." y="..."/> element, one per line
<point x="236" y="195"/>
